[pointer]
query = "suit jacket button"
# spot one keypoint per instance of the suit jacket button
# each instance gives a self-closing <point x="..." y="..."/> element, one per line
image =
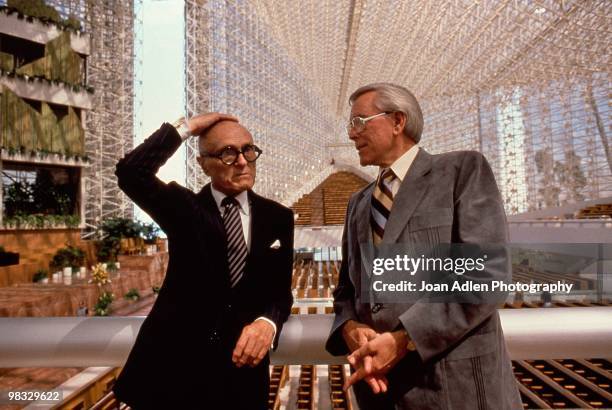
<point x="376" y="308"/>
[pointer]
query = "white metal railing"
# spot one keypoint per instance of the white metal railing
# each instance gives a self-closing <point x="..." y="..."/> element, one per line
<point x="83" y="342"/>
<point x="563" y="223"/>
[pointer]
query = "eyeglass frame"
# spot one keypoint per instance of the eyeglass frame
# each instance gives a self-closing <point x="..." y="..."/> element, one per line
<point x="236" y="151"/>
<point x="363" y="121"/>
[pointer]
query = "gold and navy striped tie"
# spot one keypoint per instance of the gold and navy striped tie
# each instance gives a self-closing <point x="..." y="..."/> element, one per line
<point x="382" y="201"/>
<point x="236" y="245"/>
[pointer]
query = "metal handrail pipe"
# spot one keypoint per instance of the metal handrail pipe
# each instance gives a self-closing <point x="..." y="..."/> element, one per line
<point x="545" y="333"/>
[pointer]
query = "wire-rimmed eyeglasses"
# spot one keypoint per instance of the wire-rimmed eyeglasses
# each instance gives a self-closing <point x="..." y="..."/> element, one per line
<point x="358" y="123"/>
<point x="229" y="155"/>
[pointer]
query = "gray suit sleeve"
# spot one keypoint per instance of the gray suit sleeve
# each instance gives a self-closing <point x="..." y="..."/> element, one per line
<point x="344" y="297"/>
<point x="479" y="218"/>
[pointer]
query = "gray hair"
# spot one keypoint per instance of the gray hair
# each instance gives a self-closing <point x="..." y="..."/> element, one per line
<point x="393" y="97"/>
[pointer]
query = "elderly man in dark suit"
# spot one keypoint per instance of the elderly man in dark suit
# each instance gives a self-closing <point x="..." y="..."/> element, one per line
<point x="418" y="355"/>
<point x="227" y="290"/>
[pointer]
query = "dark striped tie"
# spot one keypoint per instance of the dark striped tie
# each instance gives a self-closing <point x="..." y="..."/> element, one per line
<point x="382" y="201"/>
<point x="236" y="246"/>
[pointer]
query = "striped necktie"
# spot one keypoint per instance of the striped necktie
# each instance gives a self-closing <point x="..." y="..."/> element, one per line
<point x="382" y="201"/>
<point x="236" y="246"/>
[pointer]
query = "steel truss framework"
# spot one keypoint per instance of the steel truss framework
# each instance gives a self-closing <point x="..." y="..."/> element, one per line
<point x="110" y="124"/>
<point x="525" y="82"/>
<point x="247" y="72"/>
<point x="197" y="79"/>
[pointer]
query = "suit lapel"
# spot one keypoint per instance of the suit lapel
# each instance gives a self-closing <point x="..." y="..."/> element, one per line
<point x="211" y="212"/>
<point x="259" y="229"/>
<point x="364" y="228"/>
<point x="413" y="188"/>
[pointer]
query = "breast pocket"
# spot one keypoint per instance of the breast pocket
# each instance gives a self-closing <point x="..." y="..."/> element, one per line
<point x="430" y="227"/>
<point x="431" y="218"/>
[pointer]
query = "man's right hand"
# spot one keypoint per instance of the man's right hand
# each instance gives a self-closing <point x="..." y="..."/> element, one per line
<point x="202" y="122"/>
<point x="356" y="335"/>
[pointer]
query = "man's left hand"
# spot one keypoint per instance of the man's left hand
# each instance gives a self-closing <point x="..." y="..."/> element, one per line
<point x="253" y="343"/>
<point x="378" y="356"/>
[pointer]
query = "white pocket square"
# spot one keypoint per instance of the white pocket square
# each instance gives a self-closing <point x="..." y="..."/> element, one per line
<point x="275" y="245"/>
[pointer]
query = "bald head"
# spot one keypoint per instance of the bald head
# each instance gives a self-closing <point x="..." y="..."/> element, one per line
<point x="221" y="134"/>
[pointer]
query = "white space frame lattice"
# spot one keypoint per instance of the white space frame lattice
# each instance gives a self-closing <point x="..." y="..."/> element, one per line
<point x="111" y="26"/>
<point x="525" y="82"/>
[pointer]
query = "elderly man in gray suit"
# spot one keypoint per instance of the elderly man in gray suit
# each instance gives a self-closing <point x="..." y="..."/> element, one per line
<point x="418" y="355"/>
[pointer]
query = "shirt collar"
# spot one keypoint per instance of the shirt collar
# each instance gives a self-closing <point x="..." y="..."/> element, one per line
<point x="242" y="198"/>
<point x="401" y="165"/>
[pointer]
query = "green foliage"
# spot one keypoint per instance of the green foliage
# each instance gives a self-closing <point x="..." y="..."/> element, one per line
<point x="43" y="12"/>
<point x="49" y="198"/>
<point x="18" y="198"/>
<point x="103" y="306"/>
<point x="73" y="23"/>
<point x="40" y="221"/>
<point x="150" y="232"/>
<point x="40" y="275"/>
<point x="107" y="250"/>
<point x="114" y="229"/>
<point x="72" y="221"/>
<point x="70" y="256"/>
<point x="39" y="204"/>
<point x="121" y="228"/>
<point x="132" y="294"/>
<point x="35" y="8"/>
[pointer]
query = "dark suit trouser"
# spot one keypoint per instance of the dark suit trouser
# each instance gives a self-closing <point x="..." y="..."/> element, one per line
<point x="203" y="386"/>
<point x="249" y="388"/>
<point x="367" y="400"/>
<point x="244" y="388"/>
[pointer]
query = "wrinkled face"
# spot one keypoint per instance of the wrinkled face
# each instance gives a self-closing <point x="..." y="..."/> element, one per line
<point x="380" y="142"/>
<point x="229" y="179"/>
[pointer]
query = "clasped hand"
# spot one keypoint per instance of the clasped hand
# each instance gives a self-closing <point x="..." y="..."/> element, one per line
<point x="373" y="354"/>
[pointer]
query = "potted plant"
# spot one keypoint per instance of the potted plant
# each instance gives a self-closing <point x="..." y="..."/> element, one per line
<point x="40" y="275"/>
<point x="111" y="231"/>
<point x="66" y="259"/>
<point x="132" y="295"/>
<point x="149" y="232"/>
<point x="103" y="306"/>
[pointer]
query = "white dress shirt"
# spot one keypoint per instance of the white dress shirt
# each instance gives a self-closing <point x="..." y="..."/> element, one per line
<point x="400" y="168"/>
<point x="244" y="211"/>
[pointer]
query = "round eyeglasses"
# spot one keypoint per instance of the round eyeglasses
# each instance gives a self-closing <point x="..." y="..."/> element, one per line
<point x="229" y="155"/>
